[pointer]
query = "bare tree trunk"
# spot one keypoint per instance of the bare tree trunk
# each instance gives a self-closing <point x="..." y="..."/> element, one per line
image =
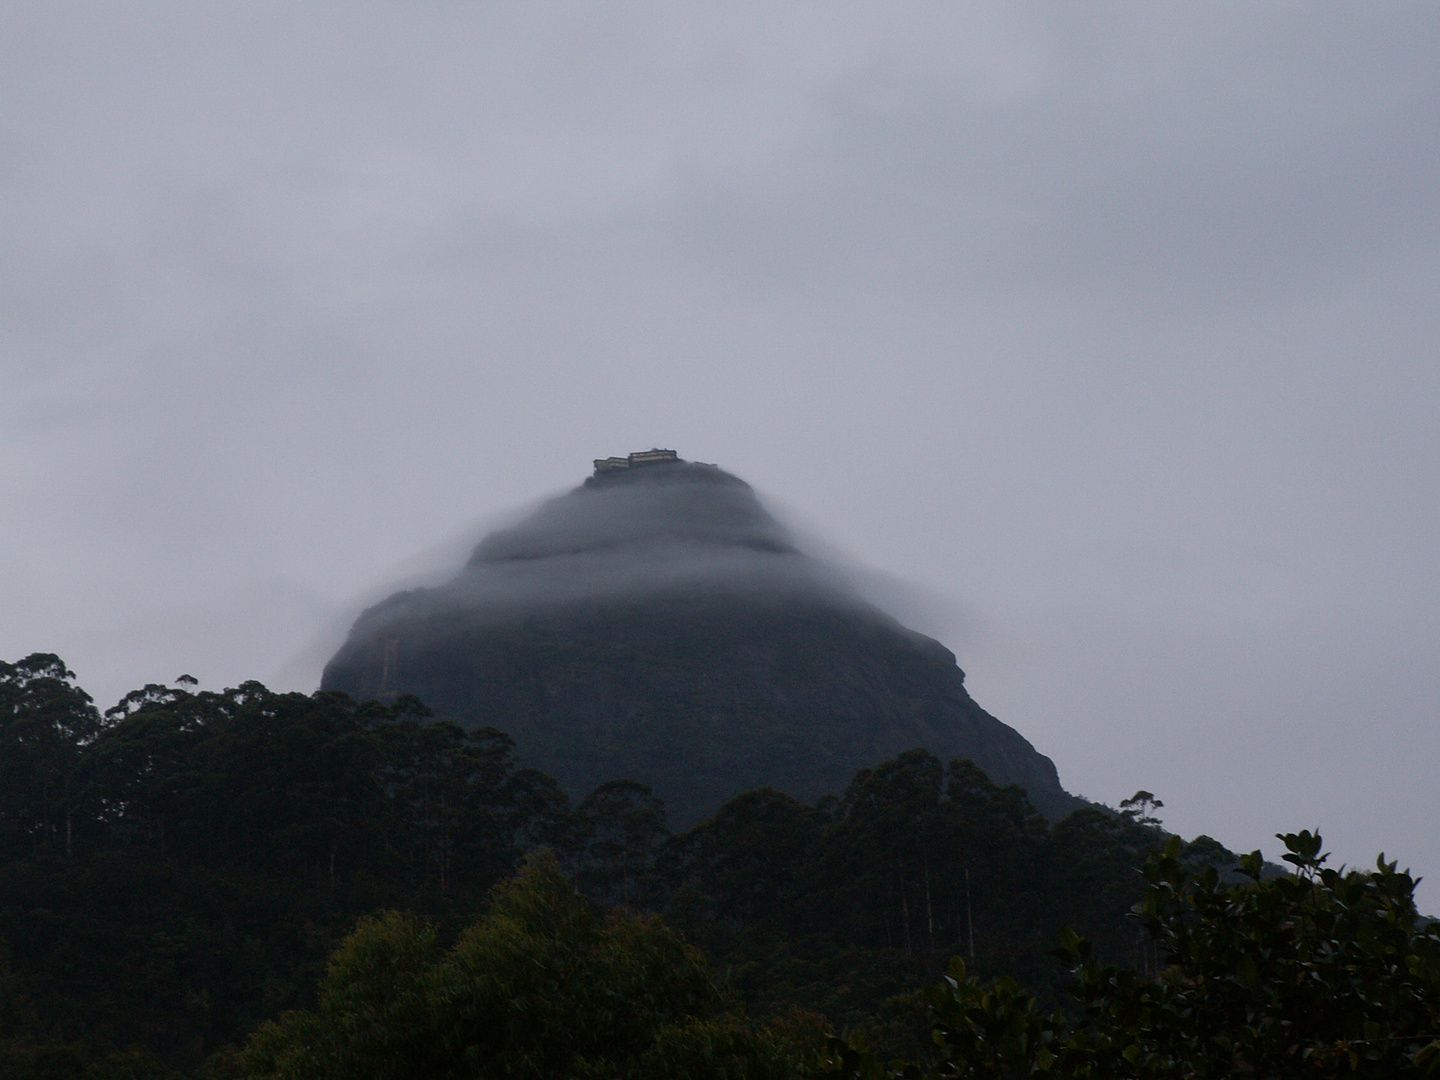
<point x="444" y="855"/>
<point x="969" y="914"/>
<point x="905" y="915"/>
<point x="929" y="911"/>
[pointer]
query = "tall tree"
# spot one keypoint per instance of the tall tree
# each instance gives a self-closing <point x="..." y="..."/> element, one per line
<point x="46" y="721"/>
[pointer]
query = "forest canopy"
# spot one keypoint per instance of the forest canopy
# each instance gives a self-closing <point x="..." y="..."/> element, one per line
<point x="191" y="873"/>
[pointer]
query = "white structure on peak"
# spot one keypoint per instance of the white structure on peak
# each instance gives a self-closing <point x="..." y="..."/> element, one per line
<point x="639" y="457"/>
<point x="645" y="457"/>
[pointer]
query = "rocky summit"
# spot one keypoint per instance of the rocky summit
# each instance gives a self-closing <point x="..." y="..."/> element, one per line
<point x="658" y="624"/>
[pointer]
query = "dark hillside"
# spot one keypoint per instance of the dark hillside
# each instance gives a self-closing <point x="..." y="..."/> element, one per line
<point x="657" y="623"/>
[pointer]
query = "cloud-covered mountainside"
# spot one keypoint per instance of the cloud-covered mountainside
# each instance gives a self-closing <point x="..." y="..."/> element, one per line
<point x="658" y="624"/>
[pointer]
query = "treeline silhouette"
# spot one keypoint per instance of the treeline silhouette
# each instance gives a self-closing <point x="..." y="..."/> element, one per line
<point x="176" y="871"/>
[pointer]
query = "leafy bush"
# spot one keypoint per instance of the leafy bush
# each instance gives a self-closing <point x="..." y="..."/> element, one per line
<point x="1322" y="973"/>
<point x="541" y="987"/>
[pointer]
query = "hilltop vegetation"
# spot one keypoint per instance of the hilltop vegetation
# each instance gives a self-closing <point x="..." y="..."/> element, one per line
<point x="189" y="867"/>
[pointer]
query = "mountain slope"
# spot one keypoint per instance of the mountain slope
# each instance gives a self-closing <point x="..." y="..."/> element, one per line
<point x="658" y="624"/>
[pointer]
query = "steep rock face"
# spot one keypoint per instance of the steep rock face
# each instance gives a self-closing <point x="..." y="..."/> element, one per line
<point x="657" y="623"/>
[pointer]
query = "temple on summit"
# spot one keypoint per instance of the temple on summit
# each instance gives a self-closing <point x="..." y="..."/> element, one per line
<point x="630" y="461"/>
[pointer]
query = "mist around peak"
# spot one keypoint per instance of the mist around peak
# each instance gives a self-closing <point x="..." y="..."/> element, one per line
<point x="664" y="528"/>
<point x="681" y="503"/>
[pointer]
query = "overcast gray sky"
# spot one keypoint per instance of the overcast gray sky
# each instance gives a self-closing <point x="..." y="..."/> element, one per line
<point x="1112" y="328"/>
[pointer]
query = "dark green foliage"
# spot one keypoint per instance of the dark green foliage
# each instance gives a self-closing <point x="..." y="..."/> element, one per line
<point x="315" y="786"/>
<point x="179" y="869"/>
<point x="1321" y="974"/>
<point x="540" y="988"/>
<point x="1324" y="972"/>
<point x="729" y="1048"/>
<point x="841" y="906"/>
<point x="176" y="872"/>
<point x="45" y="721"/>
<point x="617" y="835"/>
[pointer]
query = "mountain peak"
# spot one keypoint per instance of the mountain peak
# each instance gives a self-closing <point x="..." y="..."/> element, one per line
<point x="657" y="623"/>
<point x="671" y="507"/>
